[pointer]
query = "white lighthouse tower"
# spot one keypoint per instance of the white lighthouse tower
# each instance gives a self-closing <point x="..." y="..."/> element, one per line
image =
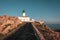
<point x="24" y="13"/>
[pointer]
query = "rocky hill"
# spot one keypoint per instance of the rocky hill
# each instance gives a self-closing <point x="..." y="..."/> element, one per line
<point x="8" y="23"/>
<point x="46" y="33"/>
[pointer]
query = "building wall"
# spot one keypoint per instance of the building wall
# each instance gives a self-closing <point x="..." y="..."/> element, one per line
<point x="24" y="19"/>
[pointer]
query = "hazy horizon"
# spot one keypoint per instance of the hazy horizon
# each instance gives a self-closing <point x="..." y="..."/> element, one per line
<point x="47" y="10"/>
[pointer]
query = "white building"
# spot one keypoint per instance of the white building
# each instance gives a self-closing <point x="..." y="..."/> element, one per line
<point x="24" y="18"/>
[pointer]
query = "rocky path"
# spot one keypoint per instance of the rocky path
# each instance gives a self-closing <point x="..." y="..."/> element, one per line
<point x="26" y="32"/>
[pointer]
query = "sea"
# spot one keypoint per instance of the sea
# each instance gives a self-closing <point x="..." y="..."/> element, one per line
<point x="54" y="26"/>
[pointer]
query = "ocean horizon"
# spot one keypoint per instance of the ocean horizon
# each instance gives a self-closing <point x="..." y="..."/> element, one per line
<point x="54" y="26"/>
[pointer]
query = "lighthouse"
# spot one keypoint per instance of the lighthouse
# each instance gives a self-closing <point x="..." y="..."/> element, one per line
<point x="24" y="18"/>
<point x="23" y="13"/>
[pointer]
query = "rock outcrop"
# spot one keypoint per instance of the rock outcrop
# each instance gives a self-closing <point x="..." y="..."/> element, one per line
<point x="46" y="33"/>
<point x="8" y="23"/>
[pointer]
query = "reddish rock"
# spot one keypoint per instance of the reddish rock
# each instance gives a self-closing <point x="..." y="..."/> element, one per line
<point x="47" y="33"/>
<point x="8" y="23"/>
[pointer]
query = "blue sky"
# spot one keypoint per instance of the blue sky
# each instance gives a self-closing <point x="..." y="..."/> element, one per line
<point x="47" y="10"/>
